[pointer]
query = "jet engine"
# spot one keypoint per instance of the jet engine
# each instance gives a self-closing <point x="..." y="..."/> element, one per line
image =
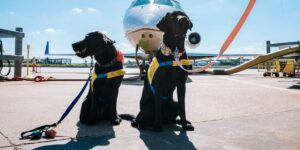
<point x="194" y="40"/>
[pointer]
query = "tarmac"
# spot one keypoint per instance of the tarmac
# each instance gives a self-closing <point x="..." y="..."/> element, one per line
<point x="240" y="111"/>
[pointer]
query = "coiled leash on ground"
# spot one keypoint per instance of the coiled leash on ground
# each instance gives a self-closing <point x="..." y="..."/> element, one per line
<point x="226" y="43"/>
<point x="48" y="130"/>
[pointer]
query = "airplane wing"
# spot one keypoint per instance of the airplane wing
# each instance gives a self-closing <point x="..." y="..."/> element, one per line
<point x="196" y="56"/>
<point x="132" y="55"/>
<point x="47" y="52"/>
<point x="207" y="55"/>
<point x="200" y="55"/>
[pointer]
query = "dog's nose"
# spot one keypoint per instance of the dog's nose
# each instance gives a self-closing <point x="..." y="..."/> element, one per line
<point x="182" y="18"/>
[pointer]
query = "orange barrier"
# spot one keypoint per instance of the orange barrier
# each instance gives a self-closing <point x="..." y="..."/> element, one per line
<point x="226" y="43"/>
<point x="39" y="79"/>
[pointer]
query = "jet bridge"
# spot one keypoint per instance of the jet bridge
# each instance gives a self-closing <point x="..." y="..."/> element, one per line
<point x="256" y="61"/>
<point x="17" y="57"/>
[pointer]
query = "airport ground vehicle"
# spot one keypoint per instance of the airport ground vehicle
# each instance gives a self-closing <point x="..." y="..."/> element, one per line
<point x="286" y="67"/>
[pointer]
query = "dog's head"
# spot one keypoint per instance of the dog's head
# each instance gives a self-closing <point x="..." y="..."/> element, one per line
<point x="175" y="26"/>
<point x="94" y="44"/>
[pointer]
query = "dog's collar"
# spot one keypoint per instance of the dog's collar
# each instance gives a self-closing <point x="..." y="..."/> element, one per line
<point x="118" y="58"/>
<point x="166" y="51"/>
<point x="111" y="63"/>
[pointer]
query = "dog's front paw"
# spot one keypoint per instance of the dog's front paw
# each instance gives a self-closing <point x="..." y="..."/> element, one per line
<point x="188" y="127"/>
<point x="134" y="123"/>
<point x="157" y="129"/>
<point x="180" y="122"/>
<point x="137" y="125"/>
<point x="116" y="121"/>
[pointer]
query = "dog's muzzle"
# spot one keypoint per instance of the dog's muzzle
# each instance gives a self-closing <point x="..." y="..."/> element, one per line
<point x="80" y="48"/>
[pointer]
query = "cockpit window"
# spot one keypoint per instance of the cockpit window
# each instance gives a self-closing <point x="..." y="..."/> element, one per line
<point x="177" y="4"/>
<point x="140" y="2"/>
<point x="164" y="2"/>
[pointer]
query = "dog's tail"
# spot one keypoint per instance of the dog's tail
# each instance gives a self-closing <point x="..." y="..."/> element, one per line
<point x="127" y="117"/>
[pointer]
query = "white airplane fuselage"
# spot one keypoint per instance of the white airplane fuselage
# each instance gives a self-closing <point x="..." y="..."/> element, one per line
<point x="140" y="22"/>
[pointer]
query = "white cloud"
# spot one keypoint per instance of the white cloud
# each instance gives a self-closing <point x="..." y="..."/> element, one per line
<point x="92" y="10"/>
<point x="12" y="13"/>
<point x="77" y="10"/>
<point x="50" y="30"/>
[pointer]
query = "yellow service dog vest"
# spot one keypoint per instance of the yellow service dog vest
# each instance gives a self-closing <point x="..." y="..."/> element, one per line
<point x="155" y="65"/>
<point x="108" y="75"/>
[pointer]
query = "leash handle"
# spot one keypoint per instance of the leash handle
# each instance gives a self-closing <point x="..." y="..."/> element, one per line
<point x="41" y="128"/>
<point x="226" y="44"/>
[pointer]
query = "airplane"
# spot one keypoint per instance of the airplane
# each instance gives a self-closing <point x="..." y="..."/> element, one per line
<point x="139" y="24"/>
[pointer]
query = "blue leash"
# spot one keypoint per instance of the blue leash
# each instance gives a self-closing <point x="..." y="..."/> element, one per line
<point x="74" y="102"/>
<point x="38" y="132"/>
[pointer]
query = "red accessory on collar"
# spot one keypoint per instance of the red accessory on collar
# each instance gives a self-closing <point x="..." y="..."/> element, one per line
<point x="120" y="56"/>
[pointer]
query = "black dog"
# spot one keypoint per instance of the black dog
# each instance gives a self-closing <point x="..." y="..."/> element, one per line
<point x="157" y="106"/>
<point x="101" y="101"/>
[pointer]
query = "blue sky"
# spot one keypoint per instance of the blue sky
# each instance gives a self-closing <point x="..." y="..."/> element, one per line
<point x="63" y="22"/>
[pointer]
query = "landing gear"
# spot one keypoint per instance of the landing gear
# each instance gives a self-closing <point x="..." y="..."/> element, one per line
<point x="142" y="67"/>
<point x="137" y="59"/>
<point x="276" y="74"/>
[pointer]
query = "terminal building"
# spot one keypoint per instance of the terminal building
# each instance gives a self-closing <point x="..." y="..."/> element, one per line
<point x="52" y="61"/>
<point x="57" y="61"/>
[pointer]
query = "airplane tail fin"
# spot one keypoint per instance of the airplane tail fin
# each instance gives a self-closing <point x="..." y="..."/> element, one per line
<point x="47" y="48"/>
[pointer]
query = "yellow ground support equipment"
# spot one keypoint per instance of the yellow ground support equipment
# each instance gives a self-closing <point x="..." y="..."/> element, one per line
<point x="286" y="67"/>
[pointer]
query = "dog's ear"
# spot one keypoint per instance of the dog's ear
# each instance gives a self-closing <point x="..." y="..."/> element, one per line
<point x="106" y="39"/>
<point x="162" y="23"/>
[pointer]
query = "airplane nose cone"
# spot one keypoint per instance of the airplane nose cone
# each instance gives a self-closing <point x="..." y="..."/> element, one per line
<point x="139" y="20"/>
<point x="146" y="16"/>
<point x="148" y="19"/>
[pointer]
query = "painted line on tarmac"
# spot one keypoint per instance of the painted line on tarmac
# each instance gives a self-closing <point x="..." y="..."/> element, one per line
<point x="247" y="116"/>
<point x="59" y="138"/>
<point x="260" y="85"/>
<point x="9" y="141"/>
